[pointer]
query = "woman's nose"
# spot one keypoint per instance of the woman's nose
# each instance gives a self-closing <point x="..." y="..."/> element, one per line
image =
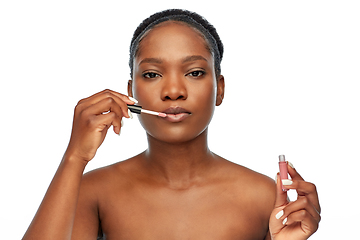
<point x="174" y="89"/>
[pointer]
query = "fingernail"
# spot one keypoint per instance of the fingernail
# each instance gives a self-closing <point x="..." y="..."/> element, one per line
<point x="284" y="222"/>
<point x="133" y="99"/>
<point x="119" y="130"/>
<point x="130" y="114"/>
<point x="291" y="165"/>
<point x="286" y="182"/>
<point x="279" y="214"/>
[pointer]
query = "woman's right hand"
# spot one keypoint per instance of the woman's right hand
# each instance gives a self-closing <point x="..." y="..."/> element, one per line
<point x="93" y="117"/>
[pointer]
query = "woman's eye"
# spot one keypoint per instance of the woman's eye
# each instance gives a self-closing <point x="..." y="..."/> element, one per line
<point x="196" y="73"/>
<point x="150" y="75"/>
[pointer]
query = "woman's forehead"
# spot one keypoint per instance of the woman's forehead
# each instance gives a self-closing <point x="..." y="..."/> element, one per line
<point x="173" y="41"/>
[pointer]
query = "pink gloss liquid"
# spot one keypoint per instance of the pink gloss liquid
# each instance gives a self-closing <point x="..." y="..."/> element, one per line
<point x="283" y="170"/>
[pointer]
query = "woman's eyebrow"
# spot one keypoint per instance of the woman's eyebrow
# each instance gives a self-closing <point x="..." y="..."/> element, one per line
<point x="193" y="58"/>
<point x="151" y="60"/>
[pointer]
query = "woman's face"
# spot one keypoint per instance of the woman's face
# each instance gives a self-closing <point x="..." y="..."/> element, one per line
<point x="174" y="73"/>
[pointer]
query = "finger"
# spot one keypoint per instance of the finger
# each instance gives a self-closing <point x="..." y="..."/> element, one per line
<point x="104" y="106"/>
<point x="304" y="189"/>
<point x="281" y="196"/>
<point x="104" y="121"/>
<point x="108" y="91"/>
<point x="108" y="105"/>
<point x="120" y="99"/>
<point x="116" y="119"/>
<point x="303" y="203"/>
<point x="308" y="223"/>
<point x="125" y="98"/>
<point x="293" y="173"/>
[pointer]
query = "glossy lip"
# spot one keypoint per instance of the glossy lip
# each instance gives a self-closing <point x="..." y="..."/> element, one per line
<point x="176" y="114"/>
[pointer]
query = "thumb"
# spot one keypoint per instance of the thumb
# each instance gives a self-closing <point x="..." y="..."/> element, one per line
<point x="281" y="196"/>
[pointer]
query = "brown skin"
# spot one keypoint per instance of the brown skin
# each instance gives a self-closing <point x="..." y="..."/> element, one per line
<point x="177" y="188"/>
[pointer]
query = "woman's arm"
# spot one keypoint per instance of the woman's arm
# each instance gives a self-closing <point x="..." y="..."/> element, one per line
<point x="55" y="216"/>
<point x="92" y="118"/>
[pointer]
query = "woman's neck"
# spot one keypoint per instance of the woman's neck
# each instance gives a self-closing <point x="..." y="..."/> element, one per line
<point x="180" y="165"/>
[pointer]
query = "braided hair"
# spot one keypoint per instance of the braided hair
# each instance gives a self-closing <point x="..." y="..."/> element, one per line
<point x="193" y="20"/>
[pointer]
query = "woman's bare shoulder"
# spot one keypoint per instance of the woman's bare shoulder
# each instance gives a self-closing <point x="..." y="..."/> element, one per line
<point x="114" y="173"/>
<point x="248" y="180"/>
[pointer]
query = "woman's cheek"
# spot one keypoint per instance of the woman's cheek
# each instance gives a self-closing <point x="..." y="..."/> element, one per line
<point x="204" y="99"/>
<point x="144" y="92"/>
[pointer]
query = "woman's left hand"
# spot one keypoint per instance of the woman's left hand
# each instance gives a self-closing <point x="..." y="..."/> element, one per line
<point x="296" y="220"/>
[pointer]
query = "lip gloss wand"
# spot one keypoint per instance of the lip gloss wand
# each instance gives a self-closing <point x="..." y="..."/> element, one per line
<point x="138" y="110"/>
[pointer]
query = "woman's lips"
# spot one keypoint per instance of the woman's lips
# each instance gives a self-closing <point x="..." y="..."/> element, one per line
<point x="176" y="114"/>
<point x="176" y="117"/>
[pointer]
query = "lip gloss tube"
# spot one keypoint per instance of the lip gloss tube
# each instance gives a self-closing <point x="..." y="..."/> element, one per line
<point x="283" y="170"/>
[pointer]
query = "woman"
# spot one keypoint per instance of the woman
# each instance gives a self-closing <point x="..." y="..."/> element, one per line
<point x="177" y="188"/>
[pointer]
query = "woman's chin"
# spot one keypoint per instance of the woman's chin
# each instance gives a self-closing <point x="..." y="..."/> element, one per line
<point x="174" y="135"/>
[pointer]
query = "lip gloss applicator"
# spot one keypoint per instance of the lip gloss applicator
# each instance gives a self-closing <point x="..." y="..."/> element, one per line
<point x="138" y="110"/>
<point x="283" y="170"/>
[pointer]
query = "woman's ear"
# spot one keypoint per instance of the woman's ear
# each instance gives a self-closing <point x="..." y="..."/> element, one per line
<point x="220" y="90"/>
<point x="130" y="93"/>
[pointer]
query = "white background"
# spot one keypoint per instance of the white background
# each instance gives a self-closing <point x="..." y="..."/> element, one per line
<point x="292" y="87"/>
